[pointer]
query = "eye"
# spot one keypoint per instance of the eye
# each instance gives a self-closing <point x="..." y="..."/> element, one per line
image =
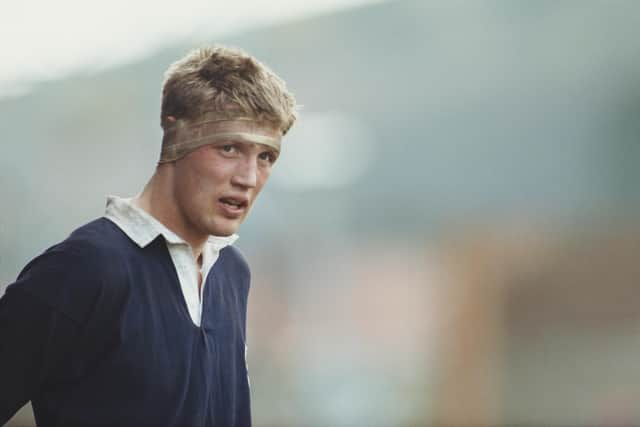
<point x="268" y="156"/>
<point x="227" y="149"/>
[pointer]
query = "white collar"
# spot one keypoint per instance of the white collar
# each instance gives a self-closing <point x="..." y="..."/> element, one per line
<point x="143" y="228"/>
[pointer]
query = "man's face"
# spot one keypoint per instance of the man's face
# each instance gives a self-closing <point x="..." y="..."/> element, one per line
<point x="216" y="185"/>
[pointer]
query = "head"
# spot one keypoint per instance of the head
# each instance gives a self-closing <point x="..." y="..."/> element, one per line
<point x="223" y="115"/>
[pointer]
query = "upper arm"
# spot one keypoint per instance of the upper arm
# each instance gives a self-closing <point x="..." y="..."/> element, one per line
<point x="35" y="339"/>
<point x="60" y="301"/>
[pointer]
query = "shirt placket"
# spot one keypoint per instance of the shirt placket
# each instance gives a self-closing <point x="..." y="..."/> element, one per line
<point x="188" y="277"/>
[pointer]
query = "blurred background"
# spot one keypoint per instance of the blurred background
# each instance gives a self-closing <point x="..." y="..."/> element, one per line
<point x="452" y="233"/>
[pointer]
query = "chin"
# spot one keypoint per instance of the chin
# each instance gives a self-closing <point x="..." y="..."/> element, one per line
<point x="223" y="230"/>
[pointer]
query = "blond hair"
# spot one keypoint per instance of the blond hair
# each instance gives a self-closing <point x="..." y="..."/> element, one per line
<point x="228" y="82"/>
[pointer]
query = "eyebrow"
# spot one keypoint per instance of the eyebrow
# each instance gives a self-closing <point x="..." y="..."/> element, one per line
<point x="261" y="147"/>
<point x="269" y="148"/>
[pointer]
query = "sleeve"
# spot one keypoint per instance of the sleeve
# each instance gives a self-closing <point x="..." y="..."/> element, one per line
<point x="34" y="339"/>
<point x="58" y="302"/>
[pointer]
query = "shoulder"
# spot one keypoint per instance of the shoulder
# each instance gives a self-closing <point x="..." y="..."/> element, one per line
<point x="232" y="258"/>
<point x="74" y="275"/>
<point x="233" y="266"/>
<point x="93" y="248"/>
<point x="101" y="236"/>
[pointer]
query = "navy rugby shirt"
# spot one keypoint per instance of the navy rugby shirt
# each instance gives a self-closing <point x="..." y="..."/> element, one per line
<point x="96" y="332"/>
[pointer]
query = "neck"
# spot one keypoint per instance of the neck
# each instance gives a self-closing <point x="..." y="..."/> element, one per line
<point x="157" y="199"/>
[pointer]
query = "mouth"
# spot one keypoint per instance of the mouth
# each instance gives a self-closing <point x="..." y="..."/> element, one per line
<point x="233" y="207"/>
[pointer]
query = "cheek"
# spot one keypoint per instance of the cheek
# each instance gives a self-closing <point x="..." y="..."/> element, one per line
<point x="191" y="189"/>
<point x="204" y="178"/>
<point x="262" y="179"/>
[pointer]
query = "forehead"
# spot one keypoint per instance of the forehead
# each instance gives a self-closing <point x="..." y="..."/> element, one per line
<point x="248" y="138"/>
<point x="185" y="136"/>
<point x="242" y="129"/>
<point x="243" y="124"/>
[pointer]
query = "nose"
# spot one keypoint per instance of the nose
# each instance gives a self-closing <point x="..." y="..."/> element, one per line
<point x="246" y="173"/>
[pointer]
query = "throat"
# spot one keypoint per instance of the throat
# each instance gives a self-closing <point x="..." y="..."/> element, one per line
<point x="199" y="264"/>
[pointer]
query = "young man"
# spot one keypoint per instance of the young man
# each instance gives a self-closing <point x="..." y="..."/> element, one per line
<point x="138" y="318"/>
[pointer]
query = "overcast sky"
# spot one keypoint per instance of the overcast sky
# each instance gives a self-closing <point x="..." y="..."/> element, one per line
<point x="44" y="39"/>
